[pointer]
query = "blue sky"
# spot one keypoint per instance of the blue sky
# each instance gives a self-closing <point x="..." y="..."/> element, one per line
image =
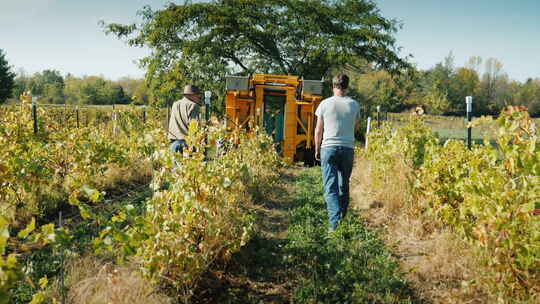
<point x="64" y="34"/>
<point x="503" y="29"/>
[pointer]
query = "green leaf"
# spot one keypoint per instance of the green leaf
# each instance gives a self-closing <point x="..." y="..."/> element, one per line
<point x="129" y="250"/>
<point x="131" y="211"/>
<point x="85" y="212"/>
<point x="119" y="218"/>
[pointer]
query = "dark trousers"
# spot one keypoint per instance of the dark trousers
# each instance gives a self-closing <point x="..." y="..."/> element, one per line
<point x="178" y="145"/>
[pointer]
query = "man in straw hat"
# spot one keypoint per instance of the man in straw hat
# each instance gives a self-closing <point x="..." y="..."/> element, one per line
<point x="182" y="112"/>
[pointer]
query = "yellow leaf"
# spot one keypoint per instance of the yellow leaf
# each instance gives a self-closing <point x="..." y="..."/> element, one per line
<point x="48" y="232"/>
<point x="43" y="282"/>
<point x="29" y="229"/>
<point x="38" y="298"/>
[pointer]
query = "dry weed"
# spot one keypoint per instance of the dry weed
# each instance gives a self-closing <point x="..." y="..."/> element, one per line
<point x="437" y="263"/>
<point x="116" y="176"/>
<point x="94" y="282"/>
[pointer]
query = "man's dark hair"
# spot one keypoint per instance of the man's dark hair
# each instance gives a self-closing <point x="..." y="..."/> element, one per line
<point x="341" y="81"/>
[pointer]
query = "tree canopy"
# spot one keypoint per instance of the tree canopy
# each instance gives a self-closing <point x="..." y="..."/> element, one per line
<point x="6" y="78"/>
<point x="202" y="42"/>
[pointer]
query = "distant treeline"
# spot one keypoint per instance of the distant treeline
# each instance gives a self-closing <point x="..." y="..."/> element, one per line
<point x="51" y="87"/>
<point x="443" y="88"/>
<point x="440" y="90"/>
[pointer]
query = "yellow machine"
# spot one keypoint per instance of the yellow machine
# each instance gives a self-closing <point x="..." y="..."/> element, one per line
<point x="283" y="105"/>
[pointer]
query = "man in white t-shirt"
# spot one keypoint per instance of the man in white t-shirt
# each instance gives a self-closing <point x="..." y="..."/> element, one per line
<point x="337" y="119"/>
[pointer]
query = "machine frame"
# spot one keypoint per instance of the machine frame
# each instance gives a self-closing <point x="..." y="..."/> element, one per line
<point x="245" y="109"/>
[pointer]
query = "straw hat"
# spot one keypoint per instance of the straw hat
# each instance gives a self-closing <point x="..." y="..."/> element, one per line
<point x="191" y="90"/>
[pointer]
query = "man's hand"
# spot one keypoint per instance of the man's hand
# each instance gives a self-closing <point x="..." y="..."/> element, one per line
<point x="319" y="130"/>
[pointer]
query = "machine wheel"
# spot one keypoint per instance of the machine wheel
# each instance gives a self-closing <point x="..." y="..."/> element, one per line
<point x="309" y="158"/>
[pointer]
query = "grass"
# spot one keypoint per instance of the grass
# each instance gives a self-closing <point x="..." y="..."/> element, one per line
<point x="451" y="127"/>
<point x="477" y="135"/>
<point x="351" y="265"/>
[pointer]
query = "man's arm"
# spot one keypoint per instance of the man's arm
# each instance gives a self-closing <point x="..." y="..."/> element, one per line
<point x="358" y="122"/>
<point x="195" y="112"/>
<point x="318" y="138"/>
<point x="356" y="126"/>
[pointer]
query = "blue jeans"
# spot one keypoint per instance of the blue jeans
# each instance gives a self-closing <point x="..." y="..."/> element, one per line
<point x="336" y="165"/>
<point x="178" y="145"/>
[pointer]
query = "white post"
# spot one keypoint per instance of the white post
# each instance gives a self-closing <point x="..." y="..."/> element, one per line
<point x="207" y="96"/>
<point x="114" y="118"/>
<point x="378" y="116"/>
<point x="368" y="128"/>
<point x="468" y="101"/>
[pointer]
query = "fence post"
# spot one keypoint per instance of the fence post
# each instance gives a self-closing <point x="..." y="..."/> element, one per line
<point x="468" y="101"/>
<point x="378" y="116"/>
<point x="77" y="114"/>
<point x="207" y="103"/>
<point x="34" y="115"/>
<point x="207" y="100"/>
<point x="66" y="114"/>
<point x="368" y="128"/>
<point x="144" y="115"/>
<point x="114" y="120"/>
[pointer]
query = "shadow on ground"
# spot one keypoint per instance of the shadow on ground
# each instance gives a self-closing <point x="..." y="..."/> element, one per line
<point x="257" y="273"/>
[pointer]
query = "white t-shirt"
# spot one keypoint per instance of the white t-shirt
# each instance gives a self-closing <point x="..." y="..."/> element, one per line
<point x="339" y="115"/>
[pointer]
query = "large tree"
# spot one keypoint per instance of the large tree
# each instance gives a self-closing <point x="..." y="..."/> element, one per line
<point x="202" y="42"/>
<point x="465" y="83"/>
<point x="48" y="85"/>
<point x="6" y="78"/>
<point x="39" y="81"/>
<point x="379" y="88"/>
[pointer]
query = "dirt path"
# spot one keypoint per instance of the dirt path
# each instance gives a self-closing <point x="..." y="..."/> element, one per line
<point x="293" y="259"/>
